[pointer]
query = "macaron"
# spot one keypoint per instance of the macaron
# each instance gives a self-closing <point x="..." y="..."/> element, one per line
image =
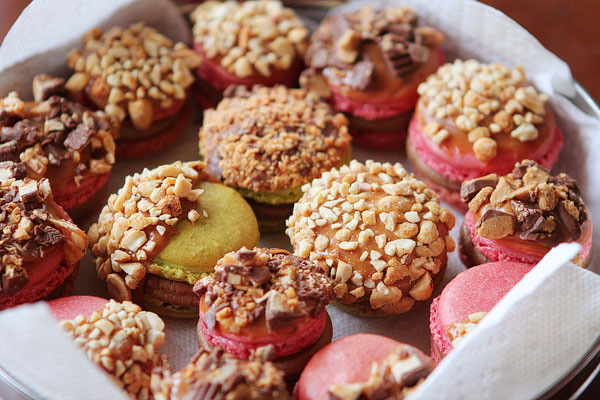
<point x="363" y="366"/>
<point x="246" y="43"/>
<point x="380" y="233"/>
<point x="70" y="307"/>
<point x="265" y="297"/>
<point x="216" y="375"/>
<point x="164" y="230"/>
<point x="120" y="338"/>
<point x="41" y="247"/>
<point x="467" y="299"/>
<point x="139" y="76"/>
<point x="474" y="119"/>
<point x="268" y="142"/>
<point x="368" y="64"/>
<point x="60" y="140"/>
<point x="522" y="215"/>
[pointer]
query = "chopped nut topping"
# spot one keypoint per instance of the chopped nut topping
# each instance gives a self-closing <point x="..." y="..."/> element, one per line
<point x="395" y="377"/>
<point x="217" y="375"/>
<point x="399" y="242"/>
<point x="483" y="100"/>
<point x="123" y="340"/>
<point x="270" y="139"/>
<point x="457" y="330"/>
<point x="250" y="37"/>
<point x="155" y="198"/>
<point x="132" y="71"/>
<point x="278" y="285"/>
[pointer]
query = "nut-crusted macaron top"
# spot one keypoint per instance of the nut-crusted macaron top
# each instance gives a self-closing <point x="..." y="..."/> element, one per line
<point x="337" y="48"/>
<point x="483" y="101"/>
<point x="123" y="340"/>
<point x="394" y="378"/>
<point x="138" y="220"/>
<point x="378" y="231"/>
<point x="529" y="203"/>
<point x="55" y="131"/>
<point x="269" y="139"/>
<point x="132" y="71"/>
<point x="31" y="225"/>
<point x="263" y="283"/>
<point x="457" y="331"/>
<point x="217" y="375"/>
<point x="251" y="36"/>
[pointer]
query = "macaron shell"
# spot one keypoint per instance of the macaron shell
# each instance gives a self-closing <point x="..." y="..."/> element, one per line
<point x="74" y="195"/>
<point x="347" y="360"/>
<point x="72" y="306"/>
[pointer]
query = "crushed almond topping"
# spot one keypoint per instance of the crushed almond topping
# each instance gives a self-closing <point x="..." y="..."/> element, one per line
<point x="123" y="340"/>
<point x="395" y="377"/>
<point x="154" y="199"/>
<point x="251" y="284"/>
<point x="400" y="234"/>
<point x="132" y="71"/>
<point x="270" y="139"/>
<point x="249" y="37"/>
<point x="482" y="100"/>
<point x="529" y="203"/>
<point x="457" y="330"/>
<point x="30" y="227"/>
<point x="217" y="375"/>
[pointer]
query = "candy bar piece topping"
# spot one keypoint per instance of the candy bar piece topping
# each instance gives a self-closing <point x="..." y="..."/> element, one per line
<point x="54" y="131"/>
<point x="394" y="378"/>
<point x="338" y="47"/>
<point x="30" y="227"/>
<point x="378" y="231"/>
<point x="142" y="213"/>
<point x="270" y="283"/>
<point x="132" y="71"/>
<point x="482" y="101"/>
<point x="269" y="139"/>
<point x="215" y="375"/>
<point x="528" y="202"/>
<point x="123" y="340"/>
<point x="250" y="37"/>
<point x="457" y="330"/>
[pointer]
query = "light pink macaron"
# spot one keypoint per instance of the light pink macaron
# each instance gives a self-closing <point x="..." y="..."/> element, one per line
<point x="71" y="306"/>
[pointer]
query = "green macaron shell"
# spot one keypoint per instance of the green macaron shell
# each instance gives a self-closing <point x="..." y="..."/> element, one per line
<point x="194" y="250"/>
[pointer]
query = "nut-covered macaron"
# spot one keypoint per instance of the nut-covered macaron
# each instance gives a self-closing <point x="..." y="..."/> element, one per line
<point x="474" y="119"/>
<point x="378" y="231"/>
<point x="368" y="64"/>
<point x="268" y="142"/>
<point x="246" y="43"/>
<point x="164" y="230"/>
<point x="59" y="139"/>
<point x="41" y="247"/>
<point x="123" y="340"/>
<point x="217" y="375"/>
<point x="139" y="76"/>
<point x="522" y="215"/>
<point x="266" y="297"/>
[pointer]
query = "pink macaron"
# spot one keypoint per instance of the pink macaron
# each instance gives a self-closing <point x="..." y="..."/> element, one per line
<point x="71" y="306"/>
<point x="465" y="300"/>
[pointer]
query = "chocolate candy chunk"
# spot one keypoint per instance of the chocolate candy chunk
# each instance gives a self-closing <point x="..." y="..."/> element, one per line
<point x="495" y="224"/>
<point x="469" y="189"/>
<point x="13" y="279"/>
<point x="56" y="153"/>
<point x="530" y="218"/>
<point x="9" y="169"/>
<point x="47" y="235"/>
<point x="568" y="221"/>
<point x="360" y="75"/>
<point x="9" y="151"/>
<point x="45" y="85"/>
<point x="278" y="311"/>
<point x="79" y="137"/>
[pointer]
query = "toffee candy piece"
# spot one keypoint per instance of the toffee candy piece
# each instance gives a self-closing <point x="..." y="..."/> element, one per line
<point x="164" y="230"/>
<point x="467" y="299"/>
<point x="268" y="142"/>
<point x="61" y="140"/>
<point x="357" y="366"/>
<point x="246" y="43"/>
<point x="216" y="375"/>
<point x="379" y="233"/>
<point x="496" y="118"/>
<point x="138" y="76"/>
<point x="41" y="247"/>
<point x="121" y="339"/>
<point x="368" y="64"/>
<point x="266" y="297"/>
<point x="522" y="215"/>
